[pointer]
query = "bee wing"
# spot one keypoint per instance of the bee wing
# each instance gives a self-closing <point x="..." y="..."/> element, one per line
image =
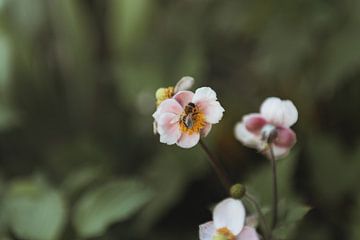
<point x="184" y="84"/>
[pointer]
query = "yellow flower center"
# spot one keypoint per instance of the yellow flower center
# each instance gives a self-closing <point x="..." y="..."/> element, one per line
<point x="163" y="94"/>
<point x="224" y="234"/>
<point x="192" y="120"/>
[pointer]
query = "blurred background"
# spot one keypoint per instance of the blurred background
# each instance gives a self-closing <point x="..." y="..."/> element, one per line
<point x="78" y="158"/>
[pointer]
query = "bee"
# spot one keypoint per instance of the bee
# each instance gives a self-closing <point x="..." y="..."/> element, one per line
<point x="190" y="112"/>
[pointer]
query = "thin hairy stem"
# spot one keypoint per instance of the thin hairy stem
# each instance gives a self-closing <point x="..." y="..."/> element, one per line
<point x="226" y="182"/>
<point x="217" y="166"/>
<point x="266" y="230"/>
<point x="274" y="187"/>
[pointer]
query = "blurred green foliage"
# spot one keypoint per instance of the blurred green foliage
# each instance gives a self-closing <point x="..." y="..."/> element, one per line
<point x="78" y="159"/>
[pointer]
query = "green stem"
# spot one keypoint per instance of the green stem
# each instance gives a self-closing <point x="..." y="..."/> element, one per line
<point x="266" y="230"/>
<point x="217" y="166"/>
<point x="225" y="180"/>
<point x="274" y="187"/>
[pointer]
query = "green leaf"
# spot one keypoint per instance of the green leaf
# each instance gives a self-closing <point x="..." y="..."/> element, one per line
<point x="109" y="203"/>
<point x="293" y="213"/>
<point x="260" y="182"/>
<point x="34" y="210"/>
<point x="189" y="164"/>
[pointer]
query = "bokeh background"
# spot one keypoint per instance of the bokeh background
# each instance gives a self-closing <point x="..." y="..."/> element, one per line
<point x="78" y="158"/>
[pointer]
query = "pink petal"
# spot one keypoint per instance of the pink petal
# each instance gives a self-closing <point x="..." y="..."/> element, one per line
<point x="248" y="233"/>
<point x="254" y="122"/>
<point x="207" y="231"/>
<point x="188" y="141"/>
<point x="245" y="137"/>
<point x="204" y="94"/>
<point x="286" y="137"/>
<point x="279" y="112"/>
<point x="168" y="106"/>
<point x="205" y="131"/>
<point x="168" y="128"/>
<point x="184" y="97"/>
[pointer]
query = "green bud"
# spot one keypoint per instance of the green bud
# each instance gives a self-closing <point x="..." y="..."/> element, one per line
<point x="237" y="191"/>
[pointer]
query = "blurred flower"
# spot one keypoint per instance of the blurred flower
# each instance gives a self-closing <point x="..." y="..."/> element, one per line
<point x="270" y="126"/>
<point x="184" y="117"/>
<point x="228" y="223"/>
<point x="162" y="94"/>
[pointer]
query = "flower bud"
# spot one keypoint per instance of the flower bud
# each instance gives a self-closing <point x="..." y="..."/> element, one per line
<point x="237" y="191"/>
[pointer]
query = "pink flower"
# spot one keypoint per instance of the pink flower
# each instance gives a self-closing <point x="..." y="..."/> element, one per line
<point x="228" y="223"/>
<point x="182" y="119"/>
<point x="270" y="126"/>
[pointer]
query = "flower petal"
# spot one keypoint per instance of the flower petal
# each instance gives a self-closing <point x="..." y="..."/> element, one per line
<point x="248" y="233"/>
<point x="184" y="97"/>
<point x="279" y="112"/>
<point x="245" y="137"/>
<point x="229" y="213"/>
<point x="204" y="94"/>
<point x="184" y="83"/>
<point x="188" y="141"/>
<point x="254" y="122"/>
<point x="279" y="152"/>
<point x="286" y="137"/>
<point x="168" y="128"/>
<point x="213" y="111"/>
<point x="168" y="106"/>
<point x="205" y="131"/>
<point x="207" y="231"/>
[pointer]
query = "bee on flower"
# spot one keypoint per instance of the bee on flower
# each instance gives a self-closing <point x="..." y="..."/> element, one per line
<point x="185" y="83"/>
<point x="186" y="116"/>
<point x="269" y="127"/>
<point x="228" y="223"/>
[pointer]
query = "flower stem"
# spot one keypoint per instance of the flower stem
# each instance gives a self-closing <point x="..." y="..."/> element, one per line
<point x="225" y="180"/>
<point x="274" y="187"/>
<point x="217" y="166"/>
<point x="252" y="200"/>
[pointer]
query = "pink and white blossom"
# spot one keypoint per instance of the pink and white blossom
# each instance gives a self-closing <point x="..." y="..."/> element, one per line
<point x="186" y="116"/>
<point x="228" y="223"/>
<point x="271" y="125"/>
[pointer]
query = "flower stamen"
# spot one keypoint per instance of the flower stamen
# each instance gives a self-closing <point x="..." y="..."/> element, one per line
<point x="225" y="233"/>
<point x="192" y="120"/>
<point x="164" y="93"/>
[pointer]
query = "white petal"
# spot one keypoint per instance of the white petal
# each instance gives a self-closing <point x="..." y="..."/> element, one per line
<point x="248" y="233"/>
<point x="207" y="231"/>
<point x="229" y="213"/>
<point x="184" y="83"/>
<point x="205" y="131"/>
<point x="279" y="152"/>
<point x="213" y="111"/>
<point x="204" y="94"/>
<point x="188" y="141"/>
<point x="279" y="112"/>
<point x="245" y="137"/>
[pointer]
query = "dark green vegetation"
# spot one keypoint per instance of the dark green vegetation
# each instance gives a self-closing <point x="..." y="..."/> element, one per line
<point x="78" y="159"/>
